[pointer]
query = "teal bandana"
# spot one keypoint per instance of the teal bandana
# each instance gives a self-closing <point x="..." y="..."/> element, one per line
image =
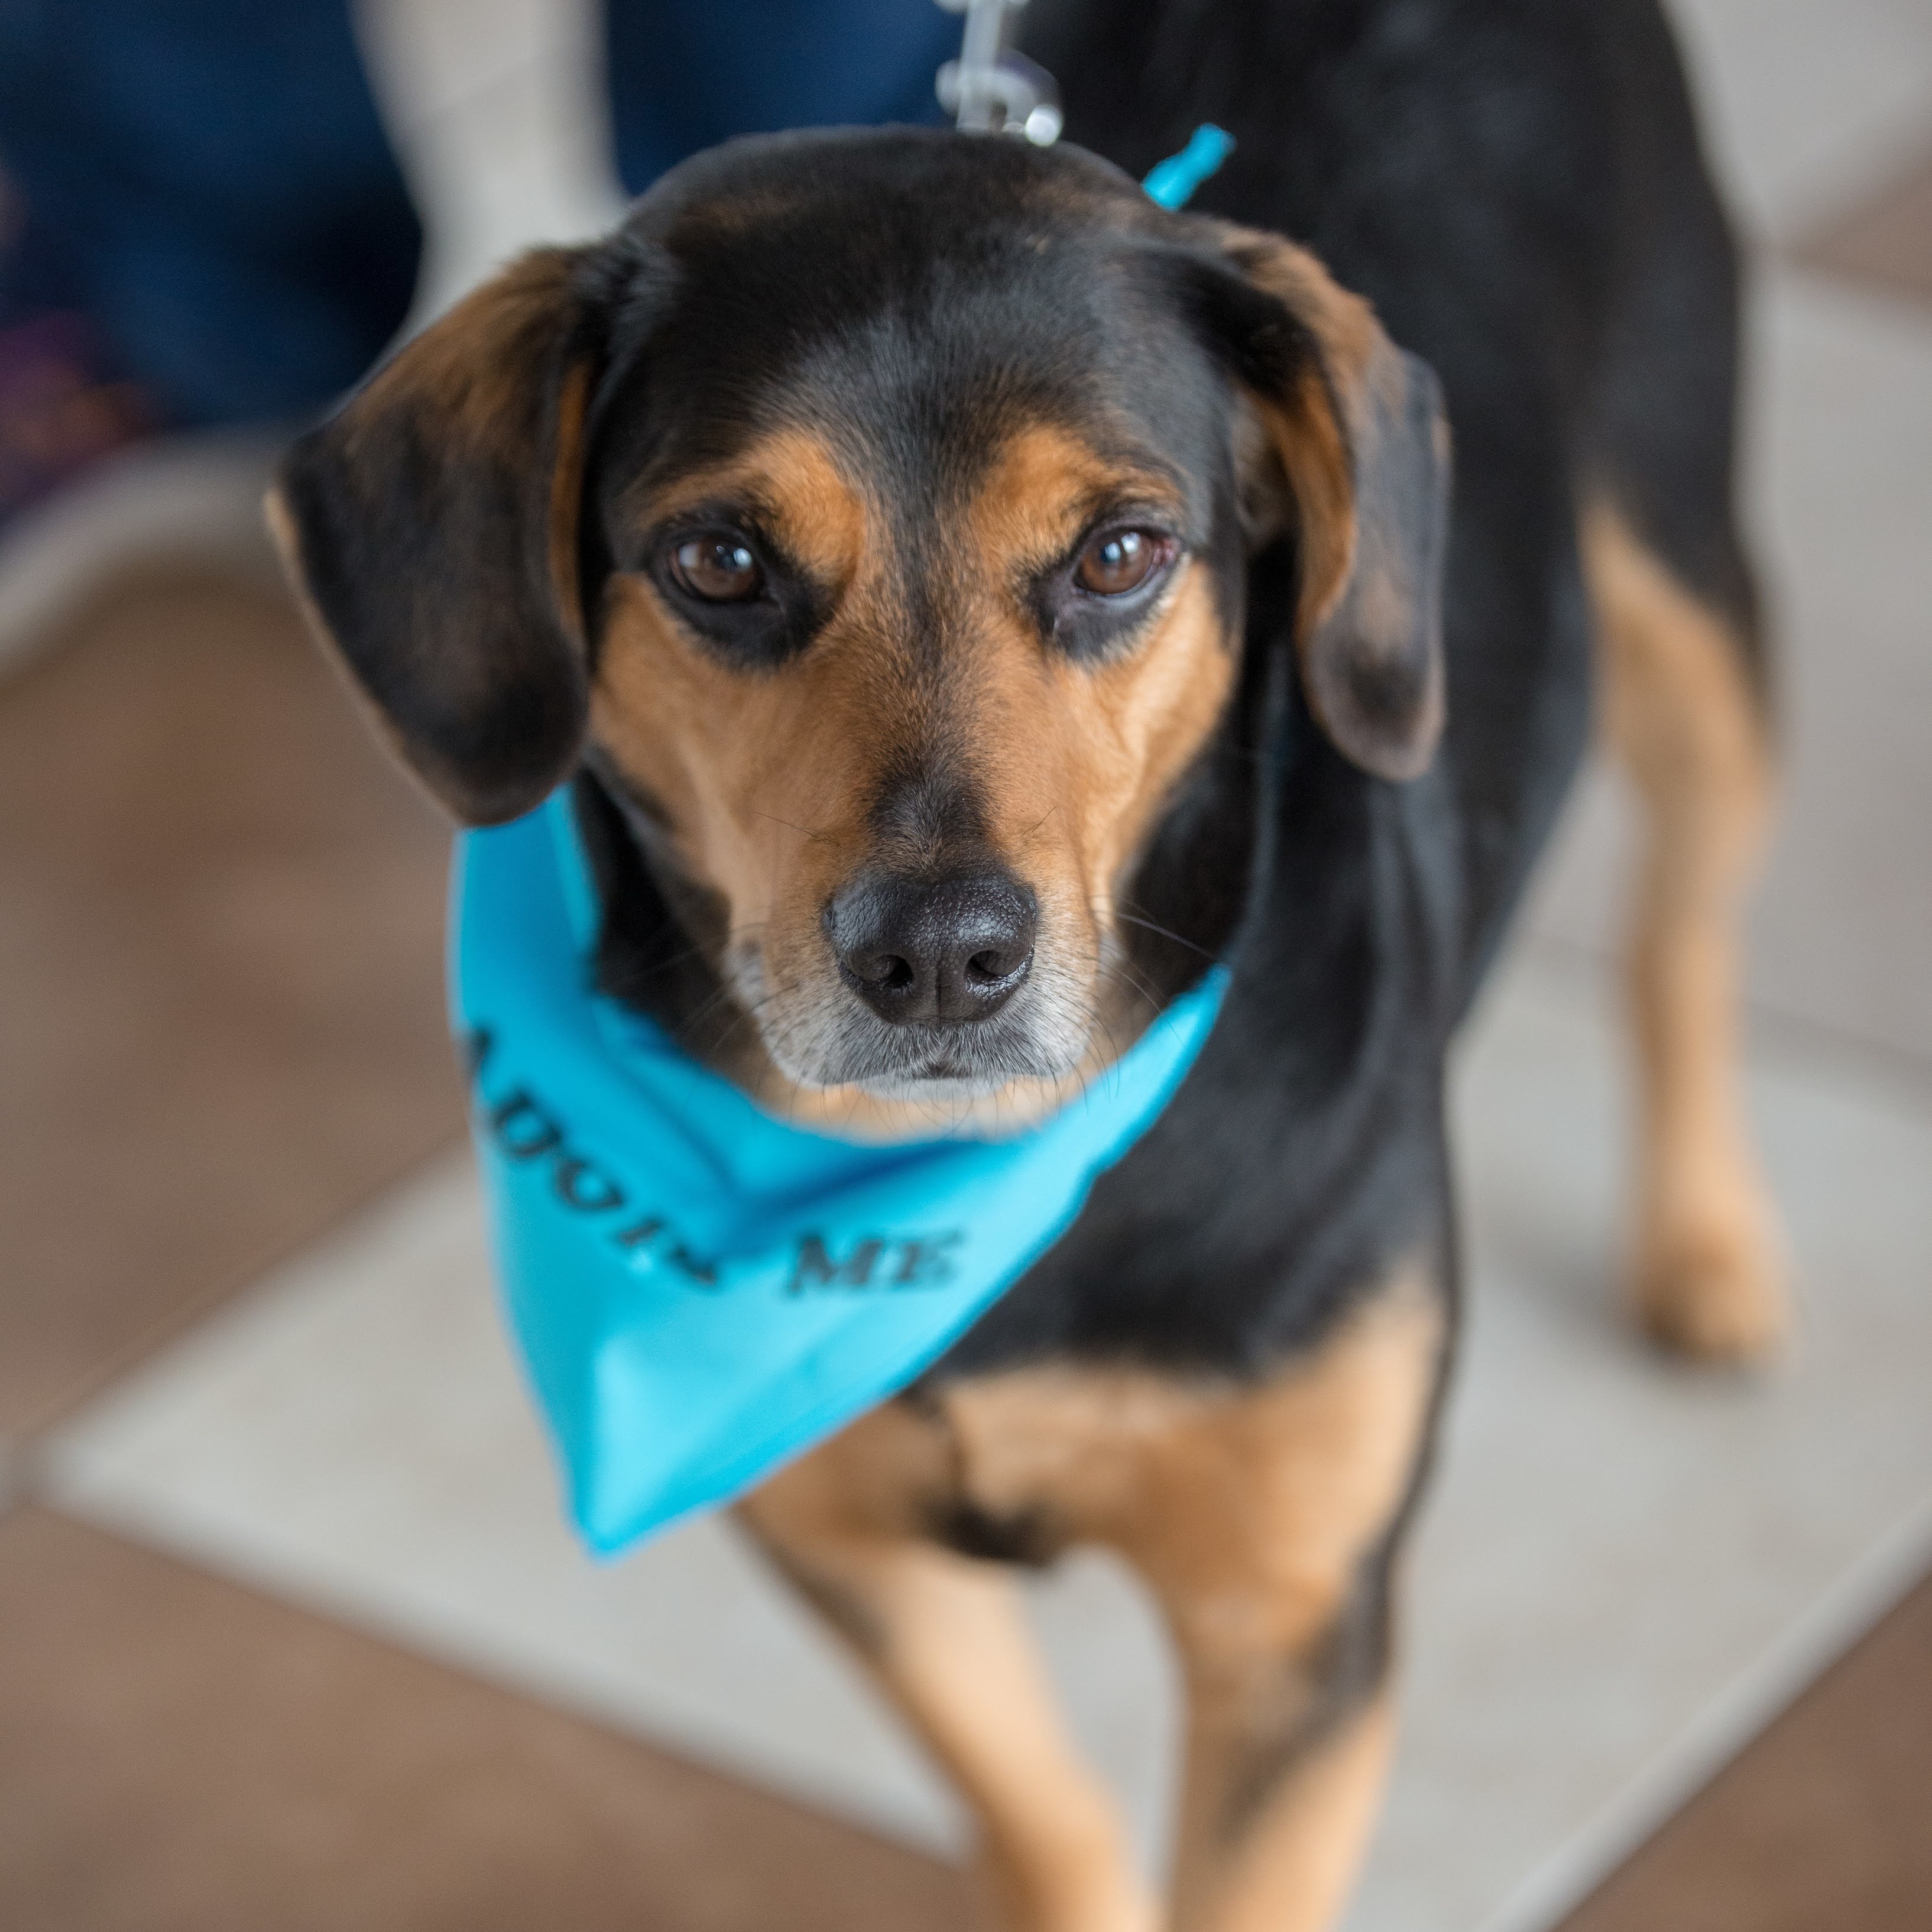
<point x="700" y="1291"/>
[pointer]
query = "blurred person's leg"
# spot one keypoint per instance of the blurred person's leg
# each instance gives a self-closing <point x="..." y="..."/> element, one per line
<point x="207" y="226"/>
<point x="686" y="74"/>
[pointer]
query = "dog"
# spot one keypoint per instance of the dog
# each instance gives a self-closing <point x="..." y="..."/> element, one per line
<point x="966" y="600"/>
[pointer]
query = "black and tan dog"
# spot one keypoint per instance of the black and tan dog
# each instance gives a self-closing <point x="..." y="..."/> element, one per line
<point x="967" y="599"/>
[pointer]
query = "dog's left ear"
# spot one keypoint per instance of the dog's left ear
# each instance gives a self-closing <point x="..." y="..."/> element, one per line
<point x="1357" y="427"/>
<point x="431" y="525"/>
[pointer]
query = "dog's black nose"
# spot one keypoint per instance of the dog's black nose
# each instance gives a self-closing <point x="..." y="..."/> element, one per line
<point x="940" y="951"/>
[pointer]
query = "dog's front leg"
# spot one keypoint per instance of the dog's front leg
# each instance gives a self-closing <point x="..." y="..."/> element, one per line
<point x="1270" y="1532"/>
<point x="945" y="1637"/>
<point x="1281" y="1794"/>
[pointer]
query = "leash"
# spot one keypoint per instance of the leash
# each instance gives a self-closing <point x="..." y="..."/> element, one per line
<point x="991" y="89"/>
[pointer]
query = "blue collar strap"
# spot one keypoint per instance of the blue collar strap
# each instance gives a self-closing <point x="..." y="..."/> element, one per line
<point x="1172" y="182"/>
<point x="700" y="1290"/>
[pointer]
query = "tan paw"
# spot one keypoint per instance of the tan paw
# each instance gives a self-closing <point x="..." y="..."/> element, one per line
<point x="1715" y="1292"/>
<point x="1079" y="1893"/>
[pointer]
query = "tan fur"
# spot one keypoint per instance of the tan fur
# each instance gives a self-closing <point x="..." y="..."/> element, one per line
<point x="948" y="1643"/>
<point x="471" y="372"/>
<point x="1306" y="426"/>
<point x="1265" y="1498"/>
<point x="797" y="487"/>
<point x="763" y="775"/>
<point x="1292" y="1870"/>
<point x="1083" y="756"/>
<point x="566" y="499"/>
<point x="768" y="776"/>
<point x="1683" y="722"/>
<point x="1341" y="423"/>
<point x="1249" y="1511"/>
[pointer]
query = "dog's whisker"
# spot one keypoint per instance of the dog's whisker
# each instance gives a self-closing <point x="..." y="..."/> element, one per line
<point x="1147" y="925"/>
<point x="804" y="831"/>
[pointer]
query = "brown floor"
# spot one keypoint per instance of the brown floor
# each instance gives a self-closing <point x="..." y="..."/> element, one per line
<point x="221" y="1003"/>
<point x="1823" y="1824"/>
<point x="177" y="1755"/>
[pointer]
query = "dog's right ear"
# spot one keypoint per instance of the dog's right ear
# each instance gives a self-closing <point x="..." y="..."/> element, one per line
<point x="1357" y="430"/>
<point x="431" y="526"/>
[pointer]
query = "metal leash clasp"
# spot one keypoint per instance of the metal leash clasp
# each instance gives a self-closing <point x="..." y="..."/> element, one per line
<point x="990" y="89"/>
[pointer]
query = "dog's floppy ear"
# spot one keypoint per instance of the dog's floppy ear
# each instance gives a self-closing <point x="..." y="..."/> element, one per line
<point x="1357" y="425"/>
<point x="431" y="526"/>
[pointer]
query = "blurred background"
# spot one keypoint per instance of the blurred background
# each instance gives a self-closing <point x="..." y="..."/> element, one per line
<point x="290" y="1633"/>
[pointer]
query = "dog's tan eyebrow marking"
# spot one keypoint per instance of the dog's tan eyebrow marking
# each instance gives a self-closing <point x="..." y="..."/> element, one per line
<point x="791" y="482"/>
<point x="1047" y="484"/>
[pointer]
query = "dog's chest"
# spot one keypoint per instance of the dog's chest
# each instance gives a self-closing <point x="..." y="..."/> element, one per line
<point x="1174" y="1473"/>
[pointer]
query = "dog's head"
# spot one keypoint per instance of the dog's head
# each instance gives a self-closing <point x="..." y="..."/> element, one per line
<point x="874" y="514"/>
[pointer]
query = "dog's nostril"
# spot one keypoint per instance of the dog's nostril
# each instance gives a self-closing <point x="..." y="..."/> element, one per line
<point x="988" y="967"/>
<point x="885" y="971"/>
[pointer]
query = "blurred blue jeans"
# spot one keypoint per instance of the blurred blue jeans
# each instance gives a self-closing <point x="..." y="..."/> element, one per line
<point x="209" y="180"/>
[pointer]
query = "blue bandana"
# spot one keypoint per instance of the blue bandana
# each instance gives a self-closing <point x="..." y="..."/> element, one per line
<point x="701" y="1291"/>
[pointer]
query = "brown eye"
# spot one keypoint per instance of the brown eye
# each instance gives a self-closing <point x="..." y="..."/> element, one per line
<point x="1116" y="561"/>
<point x="719" y="569"/>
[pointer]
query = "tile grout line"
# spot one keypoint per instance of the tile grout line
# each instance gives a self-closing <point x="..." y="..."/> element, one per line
<point x="1739" y="1714"/>
<point x="237" y="1285"/>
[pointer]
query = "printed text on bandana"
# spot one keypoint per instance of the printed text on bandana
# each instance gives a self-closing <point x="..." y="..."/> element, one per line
<point x="526" y="1129"/>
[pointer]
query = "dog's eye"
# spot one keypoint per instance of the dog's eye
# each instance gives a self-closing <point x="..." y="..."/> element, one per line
<point x="1116" y="561"/>
<point x="717" y="568"/>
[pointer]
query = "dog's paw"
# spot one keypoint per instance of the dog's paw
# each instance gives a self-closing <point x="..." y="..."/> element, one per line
<point x="1074" y="1894"/>
<point x="1711" y="1288"/>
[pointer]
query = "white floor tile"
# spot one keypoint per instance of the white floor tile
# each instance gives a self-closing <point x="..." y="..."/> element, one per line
<point x="356" y="1435"/>
<point x="1615" y="1553"/>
